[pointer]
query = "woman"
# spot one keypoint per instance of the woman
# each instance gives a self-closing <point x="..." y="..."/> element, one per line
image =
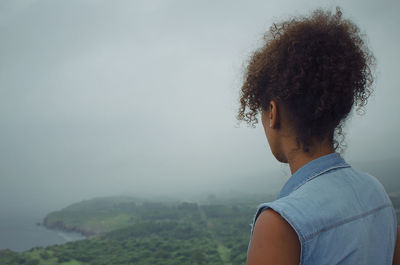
<point x="305" y="81"/>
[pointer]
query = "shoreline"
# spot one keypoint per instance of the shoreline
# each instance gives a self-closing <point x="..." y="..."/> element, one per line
<point x="22" y="233"/>
<point x="62" y="227"/>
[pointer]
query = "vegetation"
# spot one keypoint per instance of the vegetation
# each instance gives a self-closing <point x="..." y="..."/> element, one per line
<point x="124" y="230"/>
<point x="131" y="231"/>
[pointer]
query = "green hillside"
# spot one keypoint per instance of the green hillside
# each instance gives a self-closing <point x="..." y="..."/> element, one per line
<point x="123" y="230"/>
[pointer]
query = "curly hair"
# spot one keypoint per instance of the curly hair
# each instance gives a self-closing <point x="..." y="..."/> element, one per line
<point x="317" y="67"/>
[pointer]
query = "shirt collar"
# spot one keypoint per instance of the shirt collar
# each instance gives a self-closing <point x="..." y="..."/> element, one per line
<point x="312" y="170"/>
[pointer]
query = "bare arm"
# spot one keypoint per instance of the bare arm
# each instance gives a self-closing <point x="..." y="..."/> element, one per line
<point x="396" y="256"/>
<point x="273" y="242"/>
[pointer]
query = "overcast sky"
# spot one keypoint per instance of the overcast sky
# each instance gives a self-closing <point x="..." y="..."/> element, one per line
<point x="108" y="97"/>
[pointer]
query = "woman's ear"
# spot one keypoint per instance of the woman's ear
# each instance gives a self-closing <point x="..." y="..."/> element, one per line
<point x="273" y="114"/>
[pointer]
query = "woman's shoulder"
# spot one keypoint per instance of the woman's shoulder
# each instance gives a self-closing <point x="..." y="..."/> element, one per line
<point x="351" y="184"/>
<point x="330" y="199"/>
<point x="274" y="241"/>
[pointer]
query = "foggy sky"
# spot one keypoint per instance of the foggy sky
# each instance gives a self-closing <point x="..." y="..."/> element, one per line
<point x="108" y="97"/>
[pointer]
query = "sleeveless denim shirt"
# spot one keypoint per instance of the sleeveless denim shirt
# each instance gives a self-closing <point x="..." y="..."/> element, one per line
<point x="341" y="215"/>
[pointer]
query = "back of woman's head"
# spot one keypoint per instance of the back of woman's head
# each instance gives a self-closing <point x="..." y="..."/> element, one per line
<point x="317" y="68"/>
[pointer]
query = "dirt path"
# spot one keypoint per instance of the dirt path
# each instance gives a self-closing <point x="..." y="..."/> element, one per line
<point x="223" y="251"/>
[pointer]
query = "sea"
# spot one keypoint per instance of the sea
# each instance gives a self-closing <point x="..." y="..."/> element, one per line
<point x="20" y="231"/>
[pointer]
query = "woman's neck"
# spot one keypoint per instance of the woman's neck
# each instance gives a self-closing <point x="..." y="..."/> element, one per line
<point x="298" y="158"/>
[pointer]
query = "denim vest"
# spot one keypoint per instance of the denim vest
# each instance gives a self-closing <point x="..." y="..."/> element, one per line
<point x="341" y="215"/>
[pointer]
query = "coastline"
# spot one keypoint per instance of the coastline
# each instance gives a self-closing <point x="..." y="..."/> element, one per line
<point x="63" y="227"/>
<point x="20" y="232"/>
